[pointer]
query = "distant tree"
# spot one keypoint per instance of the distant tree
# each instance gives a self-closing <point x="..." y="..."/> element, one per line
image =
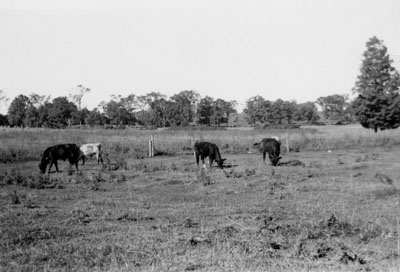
<point x="184" y="104"/>
<point x="37" y="100"/>
<point x="205" y="110"/>
<point x="290" y="108"/>
<point x="151" y="109"/>
<point x="31" y="116"/>
<point x="61" y="111"/>
<point x="229" y="108"/>
<point x="349" y="113"/>
<point x="233" y="120"/>
<point x="221" y="111"/>
<point x="95" y="118"/>
<point x="255" y="110"/>
<point x="218" y="114"/>
<point x="79" y="117"/>
<point x="334" y="106"/>
<point x="130" y="103"/>
<point x="160" y="112"/>
<point x="17" y="110"/>
<point x="306" y="112"/>
<point x="143" y="117"/>
<point x="117" y="114"/>
<point x="377" y="105"/>
<point x="79" y="92"/>
<point x="43" y="112"/>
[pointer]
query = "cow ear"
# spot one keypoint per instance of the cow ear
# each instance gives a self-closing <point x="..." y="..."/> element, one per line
<point x="223" y="159"/>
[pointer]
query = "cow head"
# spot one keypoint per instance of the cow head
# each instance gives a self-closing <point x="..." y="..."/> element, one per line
<point x="221" y="163"/>
<point x="42" y="167"/>
<point x="275" y="160"/>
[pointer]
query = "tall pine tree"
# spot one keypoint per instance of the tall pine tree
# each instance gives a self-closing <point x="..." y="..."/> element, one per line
<point x="378" y="103"/>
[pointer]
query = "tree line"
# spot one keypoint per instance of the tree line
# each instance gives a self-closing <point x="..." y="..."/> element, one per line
<point x="150" y="110"/>
<point x="376" y="106"/>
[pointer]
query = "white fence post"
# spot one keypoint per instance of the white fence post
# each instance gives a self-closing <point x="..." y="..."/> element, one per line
<point x="287" y="142"/>
<point x="151" y="146"/>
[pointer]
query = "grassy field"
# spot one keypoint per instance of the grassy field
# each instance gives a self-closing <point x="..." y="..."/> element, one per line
<point x="338" y="212"/>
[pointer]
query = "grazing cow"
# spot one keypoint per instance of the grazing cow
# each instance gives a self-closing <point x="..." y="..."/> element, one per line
<point x="60" y="152"/>
<point x="210" y="150"/>
<point x="90" y="150"/>
<point x="272" y="146"/>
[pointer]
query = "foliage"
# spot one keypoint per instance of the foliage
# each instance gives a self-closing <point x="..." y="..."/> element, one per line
<point x="17" y="110"/>
<point x="335" y="107"/>
<point x="155" y="110"/>
<point x="267" y="113"/>
<point x="31" y="116"/>
<point x="378" y="103"/>
<point x="43" y="112"/>
<point x="80" y="116"/>
<point x="253" y="110"/>
<point x="95" y="118"/>
<point x="60" y="113"/>
<point x="183" y="106"/>
<point x="214" y="112"/>
<point x="306" y="112"/>
<point x="204" y="110"/>
<point x="221" y="111"/>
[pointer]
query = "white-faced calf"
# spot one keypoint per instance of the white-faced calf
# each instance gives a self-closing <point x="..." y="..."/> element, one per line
<point x="88" y="150"/>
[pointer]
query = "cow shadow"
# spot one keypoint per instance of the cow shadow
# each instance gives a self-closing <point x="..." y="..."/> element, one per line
<point x="291" y="163"/>
<point x="229" y="165"/>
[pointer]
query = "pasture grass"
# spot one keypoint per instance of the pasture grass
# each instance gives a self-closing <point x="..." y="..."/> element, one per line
<point x="25" y="145"/>
<point x="339" y="212"/>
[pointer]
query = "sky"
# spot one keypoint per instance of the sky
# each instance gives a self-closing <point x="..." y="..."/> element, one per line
<point x="289" y="49"/>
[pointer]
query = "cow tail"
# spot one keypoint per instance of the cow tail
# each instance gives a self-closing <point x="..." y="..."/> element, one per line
<point x="257" y="144"/>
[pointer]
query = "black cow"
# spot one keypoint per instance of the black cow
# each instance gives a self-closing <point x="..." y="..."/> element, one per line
<point x="60" y="152"/>
<point x="210" y="150"/>
<point x="272" y="146"/>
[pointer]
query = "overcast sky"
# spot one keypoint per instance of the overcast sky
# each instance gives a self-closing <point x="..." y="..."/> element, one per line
<point x="294" y="49"/>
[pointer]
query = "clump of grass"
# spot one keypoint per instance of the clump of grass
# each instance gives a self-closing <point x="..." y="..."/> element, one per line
<point x="98" y="178"/>
<point x="14" y="178"/>
<point x="119" y="178"/>
<point x="31" y="181"/>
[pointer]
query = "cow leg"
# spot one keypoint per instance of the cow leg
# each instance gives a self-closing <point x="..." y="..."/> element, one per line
<point x="210" y="161"/>
<point x="51" y="164"/>
<point x="99" y="158"/>
<point x="196" y="157"/>
<point x="264" y="154"/>
<point x="56" y="165"/>
<point x="202" y="160"/>
<point x="83" y="160"/>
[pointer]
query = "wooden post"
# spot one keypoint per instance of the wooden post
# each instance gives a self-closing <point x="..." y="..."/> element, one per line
<point x="151" y="146"/>
<point x="287" y="142"/>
